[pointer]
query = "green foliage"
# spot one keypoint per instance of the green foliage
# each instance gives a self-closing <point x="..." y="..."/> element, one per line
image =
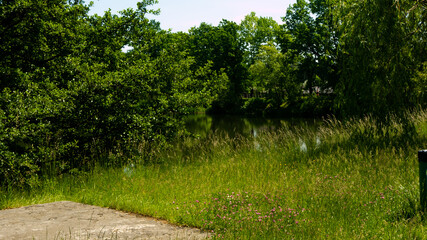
<point x="256" y="32"/>
<point x="274" y="72"/>
<point x="309" y="34"/>
<point x="90" y="103"/>
<point x="28" y="135"/>
<point x="420" y="80"/>
<point x="383" y="46"/>
<point x="221" y="45"/>
<point x="307" y="61"/>
<point x="254" y="106"/>
<point x="38" y="37"/>
<point x="312" y="106"/>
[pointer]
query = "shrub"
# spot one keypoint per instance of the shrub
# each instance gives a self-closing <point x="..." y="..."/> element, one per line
<point x="255" y="106"/>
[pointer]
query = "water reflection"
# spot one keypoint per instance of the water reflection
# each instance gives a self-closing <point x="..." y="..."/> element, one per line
<point x="203" y="125"/>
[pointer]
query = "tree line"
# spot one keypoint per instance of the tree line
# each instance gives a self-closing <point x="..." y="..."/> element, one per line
<point x="71" y="98"/>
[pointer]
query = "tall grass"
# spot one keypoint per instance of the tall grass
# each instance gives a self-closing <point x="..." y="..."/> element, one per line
<point x="293" y="183"/>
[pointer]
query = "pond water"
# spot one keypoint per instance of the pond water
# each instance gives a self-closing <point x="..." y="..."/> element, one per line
<point x="204" y="125"/>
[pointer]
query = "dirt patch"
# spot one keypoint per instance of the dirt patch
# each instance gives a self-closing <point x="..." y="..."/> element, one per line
<point x="70" y="220"/>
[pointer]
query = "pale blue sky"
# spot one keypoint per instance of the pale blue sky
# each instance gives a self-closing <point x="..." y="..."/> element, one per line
<point x="181" y="15"/>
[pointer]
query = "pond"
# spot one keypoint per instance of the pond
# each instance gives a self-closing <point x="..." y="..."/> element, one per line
<point x="203" y="125"/>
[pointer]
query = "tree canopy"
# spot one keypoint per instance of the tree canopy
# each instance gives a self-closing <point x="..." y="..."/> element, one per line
<point x="383" y="48"/>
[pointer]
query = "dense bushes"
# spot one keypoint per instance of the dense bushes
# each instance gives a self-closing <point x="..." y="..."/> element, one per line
<point x="254" y="106"/>
<point x="47" y="127"/>
<point x="95" y="110"/>
<point x="304" y="106"/>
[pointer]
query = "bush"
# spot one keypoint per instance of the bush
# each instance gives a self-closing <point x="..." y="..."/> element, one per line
<point x="255" y="106"/>
<point x="312" y="106"/>
<point x="97" y="117"/>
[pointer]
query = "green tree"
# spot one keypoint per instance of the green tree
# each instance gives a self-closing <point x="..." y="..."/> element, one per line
<point x="221" y="46"/>
<point x="255" y="32"/>
<point x="309" y="33"/>
<point x="383" y="49"/>
<point x="273" y="72"/>
<point x="107" y="35"/>
<point x="38" y="37"/>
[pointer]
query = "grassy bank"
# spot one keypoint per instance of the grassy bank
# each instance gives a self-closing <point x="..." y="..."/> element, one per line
<point x="292" y="183"/>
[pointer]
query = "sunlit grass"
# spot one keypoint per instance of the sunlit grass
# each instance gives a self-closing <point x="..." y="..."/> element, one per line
<point x="291" y="183"/>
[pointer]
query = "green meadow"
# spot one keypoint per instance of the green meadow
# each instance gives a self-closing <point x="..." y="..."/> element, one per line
<point x="294" y="183"/>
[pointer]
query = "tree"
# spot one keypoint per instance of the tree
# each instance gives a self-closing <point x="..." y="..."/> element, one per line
<point x="256" y="32"/>
<point x="273" y="72"/>
<point x="221" y="46"/>
<point x="38" y="41"/>
<point x="383" y="48"/>
<point x="309" y="33"/>
<point x="38" y="37"/>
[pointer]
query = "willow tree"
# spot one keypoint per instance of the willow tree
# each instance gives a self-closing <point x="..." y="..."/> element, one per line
<point x="383" y="51"/>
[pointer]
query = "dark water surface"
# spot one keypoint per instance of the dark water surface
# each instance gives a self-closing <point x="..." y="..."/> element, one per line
<point x="204" y="125"/>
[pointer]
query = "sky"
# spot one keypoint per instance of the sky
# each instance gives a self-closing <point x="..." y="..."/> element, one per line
<point x="181" y="15"/>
